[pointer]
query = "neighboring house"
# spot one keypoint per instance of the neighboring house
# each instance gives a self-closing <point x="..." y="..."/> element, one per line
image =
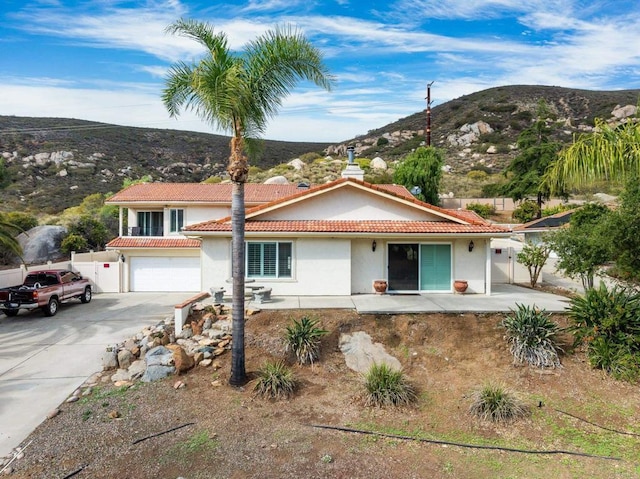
<point x="156" y="256"/>
<point x="533" y="231"/>
<point x="336" y="239"/>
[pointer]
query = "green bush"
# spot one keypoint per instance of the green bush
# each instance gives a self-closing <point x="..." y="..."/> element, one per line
<point x="552" y="210"/>
<point x="527" y="211"/>
<point x="482" y="209"/>
<point x="531" y="335"/>
<point x="24" y="221"/>
<point x="303" y="339"/>
<point x="477" y="175"/>
<point x="73" y="242"/>
<point x="496" y="403"/>
<point x="387" y="387"/>
<point x="382" y="141"/>
<point x="608" y="321"/>
<point x="275" y="381"/>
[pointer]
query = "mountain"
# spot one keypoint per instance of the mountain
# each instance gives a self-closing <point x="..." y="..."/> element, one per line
<point x="53" y="163"/>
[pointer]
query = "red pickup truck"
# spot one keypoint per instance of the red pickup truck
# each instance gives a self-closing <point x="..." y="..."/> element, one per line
<point x="45" y="290"/>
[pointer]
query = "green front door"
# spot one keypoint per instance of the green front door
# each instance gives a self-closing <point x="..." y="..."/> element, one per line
<point x="435" y="267"/>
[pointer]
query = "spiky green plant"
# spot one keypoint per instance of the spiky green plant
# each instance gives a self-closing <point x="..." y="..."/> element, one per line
<point x="387" y="387"/>
<point x="275" y="380"/>
<point x="303" y="339"/>
<point x="532" y="337"/>
<point x="496" y="403"/>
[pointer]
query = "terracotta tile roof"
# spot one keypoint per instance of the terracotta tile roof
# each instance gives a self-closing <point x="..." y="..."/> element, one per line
<point x="153" y="242"/>
<point x="254" y="193"/>
<point x="352" y="226"/>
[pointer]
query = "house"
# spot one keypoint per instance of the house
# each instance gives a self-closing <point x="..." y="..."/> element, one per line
<point x="156" y="256"/>
<point x="533" y="231"/>
<point x="333" y="239"/>
<point x="337" y="238"/>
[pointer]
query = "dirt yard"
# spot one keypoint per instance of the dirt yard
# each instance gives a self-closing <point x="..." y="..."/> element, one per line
<point x="230" y="433"/>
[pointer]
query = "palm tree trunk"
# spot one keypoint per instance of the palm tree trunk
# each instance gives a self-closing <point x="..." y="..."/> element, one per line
<point x="238" y="170"/>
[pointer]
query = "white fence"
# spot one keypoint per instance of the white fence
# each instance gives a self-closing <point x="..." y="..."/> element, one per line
<point x="103" y="269"/>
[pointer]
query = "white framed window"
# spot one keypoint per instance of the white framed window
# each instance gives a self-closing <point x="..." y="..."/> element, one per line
<point x="269" y="259"/>
<point x="176" y="220"/>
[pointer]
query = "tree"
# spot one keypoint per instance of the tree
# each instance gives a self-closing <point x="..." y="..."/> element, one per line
<point x="534" y="256"/>
<point x="239" y="93"/>
<point x="610" y="153"/>
<point x="585" y="245"/>
<point x="526" y="211"/>
<point x="8" y="233"/>
<point x="537" y="152"/>
<point x="625" y="231"/>
<point x="89" y="229"/>
<point x="422" y="168"/>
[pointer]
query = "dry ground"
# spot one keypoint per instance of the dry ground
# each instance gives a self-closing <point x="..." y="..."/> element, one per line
<point x="233" y="434"/>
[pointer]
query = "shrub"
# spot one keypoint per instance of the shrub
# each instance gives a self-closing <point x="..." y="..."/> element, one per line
<point x="609" y="322"/>
<point x="382" y="141"/>
<point x="275" y="380"/>
<point x="534" y="257"/>
<point x="387" y="387"/>
<point x="531" y="335"/>
<point x="552" y="210"/>
<point x="303" y="339"/>
<point x="477" y="175"/>
<point x="496" y="403"/>
<point x="482" y="209"/>
<point x="73" y="242"/>
<point x="527" y="210"/>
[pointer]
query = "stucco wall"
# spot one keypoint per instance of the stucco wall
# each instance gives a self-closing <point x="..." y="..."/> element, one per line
<point x="470" y="266"/>
<point x="192" y="215"/>
<point x="366" y="265"/>
<point x="349" y="204"/>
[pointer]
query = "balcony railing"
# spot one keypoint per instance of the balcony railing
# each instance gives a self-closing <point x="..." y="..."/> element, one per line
<point x="142" y="231"/>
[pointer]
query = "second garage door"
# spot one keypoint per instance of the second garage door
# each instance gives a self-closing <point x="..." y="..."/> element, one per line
<point x="153" y="273"/>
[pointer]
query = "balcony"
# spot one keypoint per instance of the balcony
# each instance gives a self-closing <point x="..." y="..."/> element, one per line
<point x="145" y="231"/>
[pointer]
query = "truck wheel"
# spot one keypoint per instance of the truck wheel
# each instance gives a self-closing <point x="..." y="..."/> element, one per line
<point x="52" y="307"/>
<point x="86" y="296"/>
<point x="11" y="312"/>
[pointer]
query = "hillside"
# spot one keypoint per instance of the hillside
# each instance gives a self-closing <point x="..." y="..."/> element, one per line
<point x="52" y="163"/>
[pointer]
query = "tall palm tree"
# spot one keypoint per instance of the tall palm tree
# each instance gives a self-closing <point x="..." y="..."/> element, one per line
<point x="610" y="153"/>
<point x="238" y="93"/>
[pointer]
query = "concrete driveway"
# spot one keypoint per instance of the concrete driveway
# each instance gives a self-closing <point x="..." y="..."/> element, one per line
<point x="43" y="360"/>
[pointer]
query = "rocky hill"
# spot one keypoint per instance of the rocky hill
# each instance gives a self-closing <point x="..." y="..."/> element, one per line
<point x="50" y="164"/>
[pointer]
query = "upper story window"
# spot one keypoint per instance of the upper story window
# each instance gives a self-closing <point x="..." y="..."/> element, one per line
<point x="176" y="221"/>
<point x="149" y="224"/>
<point x="269" y="260"/>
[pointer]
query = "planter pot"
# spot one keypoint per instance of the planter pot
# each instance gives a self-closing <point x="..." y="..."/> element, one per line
<point x="380" y="286"/>
<point x="460" y="285"/>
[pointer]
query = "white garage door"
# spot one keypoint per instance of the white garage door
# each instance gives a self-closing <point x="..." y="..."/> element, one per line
<point x="150" y="273"/>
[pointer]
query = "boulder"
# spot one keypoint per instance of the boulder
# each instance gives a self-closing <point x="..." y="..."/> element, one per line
<point x="125" y="358"/>
<point x="360" y="352"/>
<point x="378" y="164"/>
<point x="42" y="243"/>
<point x="277" y="180"/>
<point x="181" y="360"/>
<point x="297" y="164"/>
<point x="159" y="356"/>
<point x="157" y="372"/>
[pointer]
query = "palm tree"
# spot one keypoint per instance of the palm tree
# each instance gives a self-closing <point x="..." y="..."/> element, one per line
<point x="238" y="93"/>
<point x="8" y="238"/>
<point x="611" y="153"/>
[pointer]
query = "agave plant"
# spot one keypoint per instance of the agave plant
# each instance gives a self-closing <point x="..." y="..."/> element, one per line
<point x="531" y="335"/>
<point x="303" y="339"/>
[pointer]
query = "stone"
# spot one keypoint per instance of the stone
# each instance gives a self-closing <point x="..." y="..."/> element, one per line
<point x="181" y="360"/>
<point x="156" y="372"/>
<point x="53" y="413"/>
<point x="360" y="352"/>
<point x="121" y="375"/>
<point x="159" y="356"/>
<point x="297" y="164"/>
<point x="378" y="164"/>
<point x="122" y="384"/>
<point x="186" y="333"/>
<point x="42" y="243"/>
<point x="137" y="368"/>
<point x="205" y="363"/>
<point x="198" y="358"/>
<point x="114" y="414"/>
<point x="125" y="358"/>
<point x="179" y="385"/>
<point x="73" y="399"/>
<point x="277" y="180"/>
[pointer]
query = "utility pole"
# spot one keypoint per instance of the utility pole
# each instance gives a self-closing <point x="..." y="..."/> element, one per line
<point x="429" y="113"/>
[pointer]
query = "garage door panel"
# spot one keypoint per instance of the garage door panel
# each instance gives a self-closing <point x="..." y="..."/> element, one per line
<point x="181" y="274"/>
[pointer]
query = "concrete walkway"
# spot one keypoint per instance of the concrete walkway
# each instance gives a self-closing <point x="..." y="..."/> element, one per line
<point x="503" y="299"/>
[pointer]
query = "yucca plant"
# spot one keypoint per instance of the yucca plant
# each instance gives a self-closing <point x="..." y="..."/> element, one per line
<point x="387" y="387"/>
<point x="531" y="335"/>
<point x="303" y="339"/>
<point x="275" y="380"/>
<point x="496" y="403"/>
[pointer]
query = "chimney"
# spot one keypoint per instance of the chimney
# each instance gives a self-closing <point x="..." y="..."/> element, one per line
<point x="352" y="170"/>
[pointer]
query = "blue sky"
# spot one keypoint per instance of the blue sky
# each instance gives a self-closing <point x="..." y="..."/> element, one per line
<point x="105" y="60"/>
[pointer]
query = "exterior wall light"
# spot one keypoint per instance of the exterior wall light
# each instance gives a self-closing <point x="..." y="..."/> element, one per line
<point x="373" y="246"/>
<point x="471" y="245"/>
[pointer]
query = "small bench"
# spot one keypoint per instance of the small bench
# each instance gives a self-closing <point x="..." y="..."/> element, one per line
<point x="218" y="294"/>
<point x="261" y="295"/>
